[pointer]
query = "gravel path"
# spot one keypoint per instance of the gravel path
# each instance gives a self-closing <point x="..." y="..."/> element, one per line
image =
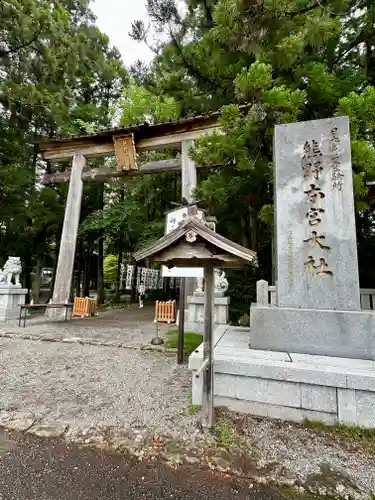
<point x="87" y="385"/>
<point x="129" y="327"/>
<point x="81" y="391"/>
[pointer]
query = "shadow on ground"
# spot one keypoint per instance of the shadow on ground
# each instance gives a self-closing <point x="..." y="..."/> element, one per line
<point x="47" y="469"/>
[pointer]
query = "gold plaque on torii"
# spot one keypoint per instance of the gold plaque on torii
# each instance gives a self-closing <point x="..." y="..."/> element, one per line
<point x="126" y="155"/>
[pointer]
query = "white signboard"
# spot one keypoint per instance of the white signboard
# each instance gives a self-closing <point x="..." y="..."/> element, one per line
<point x="173" y="220"/>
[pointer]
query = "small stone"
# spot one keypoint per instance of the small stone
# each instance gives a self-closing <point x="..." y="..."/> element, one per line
<point x="340" y="488"/>
<point x="48" y="430"/>
<point x="221" y="463"/>
<point x="19" y="424"/>
<point x="191" y="460"/>
<point x="261" y="480"/>
<point x="289" y="481"/>
<point x="175" y="459"/>
<point x="122" y="443"/>
<point x="322" y="490"/>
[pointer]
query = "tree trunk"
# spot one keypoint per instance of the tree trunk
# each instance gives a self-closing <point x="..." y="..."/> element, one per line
<point x="244" y="233"/>
<point x="118" y="274"/>
<point x="134" y="284"/>
<point x="56" y="258"/>
<point x="37" y="281"/>
<point x="100" y="282"/>
<point x="79" y="269"/>
<point x="253" y="230"/>
<point x="27" y="274"/>
<point x="86" y="274"/>
<point x="120" y="255"/>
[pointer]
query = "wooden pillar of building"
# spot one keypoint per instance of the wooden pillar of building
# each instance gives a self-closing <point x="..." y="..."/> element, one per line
<point x="65" y="264"/>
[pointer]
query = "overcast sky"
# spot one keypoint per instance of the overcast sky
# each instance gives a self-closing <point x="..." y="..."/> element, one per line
<point x="114" y="17"/>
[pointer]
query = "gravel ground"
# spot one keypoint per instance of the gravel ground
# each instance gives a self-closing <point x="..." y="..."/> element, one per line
<point x="310" y="454"/>
<point x="130" y="327"/>
<point x="81" y="391"/>
<point x="86" y="385"/>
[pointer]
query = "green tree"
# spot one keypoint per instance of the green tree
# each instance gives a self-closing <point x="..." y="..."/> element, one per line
<point x="57" y="71"/>
<point x="263" y="63"/>
<point x="110" y="269"/>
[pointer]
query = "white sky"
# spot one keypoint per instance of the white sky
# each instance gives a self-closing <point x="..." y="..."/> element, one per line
<point x="114" y="18"/>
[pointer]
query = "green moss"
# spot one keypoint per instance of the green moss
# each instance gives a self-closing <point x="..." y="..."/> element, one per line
<point x="359" y="435"/>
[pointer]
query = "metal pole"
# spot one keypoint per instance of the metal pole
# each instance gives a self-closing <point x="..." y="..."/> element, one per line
<point x="208" y="373"/>
<point x="181" y="326"/>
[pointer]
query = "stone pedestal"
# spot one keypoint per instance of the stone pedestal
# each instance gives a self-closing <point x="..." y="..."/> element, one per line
<point x="194" y="319"/>
<point x="288" y="386"/>
<point x="11" y="297"/>
<point x="347" y="334"/>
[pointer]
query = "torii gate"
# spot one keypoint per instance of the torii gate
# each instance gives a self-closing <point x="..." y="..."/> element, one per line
<point x="123" y="143"/>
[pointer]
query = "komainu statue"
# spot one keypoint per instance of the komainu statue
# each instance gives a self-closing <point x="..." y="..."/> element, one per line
<point x="12" y="269"/>
<point x="221" y="282"/>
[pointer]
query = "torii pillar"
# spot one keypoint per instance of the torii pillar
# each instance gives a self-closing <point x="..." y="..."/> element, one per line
<point x="65" y="264"/>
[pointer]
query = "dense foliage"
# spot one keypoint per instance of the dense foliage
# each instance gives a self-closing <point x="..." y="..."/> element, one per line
<point x="265" y="62"/>
<point x="58" y="75"/>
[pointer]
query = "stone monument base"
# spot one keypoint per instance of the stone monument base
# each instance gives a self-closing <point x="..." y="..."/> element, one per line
<point x="287" y="386"/>
<point x="348" y="334"/>
<point x="11" y="297"/>
<point x="194" y="318"/>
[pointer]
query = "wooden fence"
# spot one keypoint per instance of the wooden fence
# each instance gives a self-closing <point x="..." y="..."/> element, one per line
<point x="165" y="312"/>
<point x="84" y="307"/>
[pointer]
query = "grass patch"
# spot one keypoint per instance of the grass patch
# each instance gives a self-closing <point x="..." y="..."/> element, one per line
<point x="193" y="409"/>
<point x="226" y="435"/>
<point x="359" y="435"/>
<point x="191" y="341"/>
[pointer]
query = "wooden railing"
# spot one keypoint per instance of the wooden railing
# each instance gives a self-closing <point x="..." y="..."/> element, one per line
<point x="272" y="294"/>
<point x="367" y="297"/>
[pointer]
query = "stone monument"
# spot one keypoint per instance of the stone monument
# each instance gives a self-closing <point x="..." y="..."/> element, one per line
<point x="317" y="308"/>
<point x="304" y="330"/>
<point x="11" y="293"/>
